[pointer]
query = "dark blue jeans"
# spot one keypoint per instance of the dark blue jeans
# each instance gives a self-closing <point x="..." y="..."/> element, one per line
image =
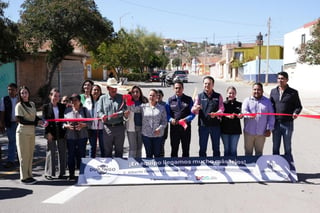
<point x="214" y="132"/>
<point x="282" y="130"/>
<point x="12" y="147"/>
<point x="230" y="144"/>
<point x="152" y="146"/>
<point x="96" y="134"/>
<point x="76" y="151"/>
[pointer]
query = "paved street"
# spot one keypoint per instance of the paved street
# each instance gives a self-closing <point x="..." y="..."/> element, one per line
<point x="63" y="196"/>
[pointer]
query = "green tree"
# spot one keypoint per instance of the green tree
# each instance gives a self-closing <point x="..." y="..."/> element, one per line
<point x="135" y="50"/>
<point x="310" y="52"/>
<point x="154" y="61"/>
<point x="10" y="46"/>
<point x="176" y="62"/>
<point x="119" y="54"/>
<point x="164" y="59"/>
<point x="60" y="22"/>
<point x="148" y="46"/>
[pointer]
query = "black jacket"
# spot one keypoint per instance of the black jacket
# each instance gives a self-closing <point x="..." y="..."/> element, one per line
<point x="290" y="103"/>
<point x="55" y="128"/>
<point x="208" y="104"/>
<point x="231" y="126"/>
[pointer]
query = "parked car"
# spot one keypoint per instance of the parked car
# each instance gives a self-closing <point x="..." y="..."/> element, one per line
<point x="180" y="75"/>
<point x="155" y="77"/>
<point x="169" y="79"/>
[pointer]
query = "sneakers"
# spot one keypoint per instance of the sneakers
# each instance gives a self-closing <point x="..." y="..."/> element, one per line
<point x="29" y="181"/>
<point x="48" y="177"/>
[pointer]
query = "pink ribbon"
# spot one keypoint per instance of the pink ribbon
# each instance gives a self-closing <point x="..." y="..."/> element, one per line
<point x="265" y="113"/>
<point x="183" y="123"/>
<point x="128" y="99"/>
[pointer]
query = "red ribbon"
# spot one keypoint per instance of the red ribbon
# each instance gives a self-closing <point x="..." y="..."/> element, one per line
<point x="183" y="123"/>
<point x="73" y="119"/>
<point x="128" y="99"/>
<point x="265" y="113"/>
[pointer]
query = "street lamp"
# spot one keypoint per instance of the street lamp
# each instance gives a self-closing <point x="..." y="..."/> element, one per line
<point x="259" y="42"/>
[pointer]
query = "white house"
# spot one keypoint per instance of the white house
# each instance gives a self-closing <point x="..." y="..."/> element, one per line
<point x="301" y="76"/>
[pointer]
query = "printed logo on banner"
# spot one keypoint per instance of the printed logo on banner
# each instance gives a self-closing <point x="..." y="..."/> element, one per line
<point x="275" y="166"/>
<point x="108" y="171"/>
<point x="101" y="169"/>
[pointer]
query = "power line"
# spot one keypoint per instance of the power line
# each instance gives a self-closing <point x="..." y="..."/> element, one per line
<point x="191" y="16"/>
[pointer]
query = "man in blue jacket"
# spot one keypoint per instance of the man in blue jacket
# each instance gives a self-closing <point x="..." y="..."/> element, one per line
<point x="179" y="109"/>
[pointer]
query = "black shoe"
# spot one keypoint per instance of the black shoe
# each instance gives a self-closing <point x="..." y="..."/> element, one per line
<point x="62" y="177"/>
<point x="29" y="181"/>
<point x="48" y="177"/>
<point x="72" y="178"/>
<point x="9" y="165"/>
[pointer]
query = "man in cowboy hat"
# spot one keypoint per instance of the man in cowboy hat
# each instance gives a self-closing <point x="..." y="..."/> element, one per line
<point x="112" y="109"/>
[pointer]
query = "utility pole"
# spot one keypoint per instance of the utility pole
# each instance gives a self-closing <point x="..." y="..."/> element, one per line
<point x="123" y="15"/>
<point x="205" y="55"/>
<point x="259" y="43"/>
<point x="214" y="39"/>
<point x="268" y="44"/>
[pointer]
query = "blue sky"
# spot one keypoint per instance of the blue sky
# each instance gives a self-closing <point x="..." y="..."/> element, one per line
<point x="200" y="20"/>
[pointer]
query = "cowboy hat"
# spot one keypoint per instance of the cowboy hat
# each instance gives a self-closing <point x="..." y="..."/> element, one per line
<point x="112" y="82"/>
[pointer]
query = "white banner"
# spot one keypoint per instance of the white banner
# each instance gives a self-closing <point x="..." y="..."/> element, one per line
<point x="108" y="171"/>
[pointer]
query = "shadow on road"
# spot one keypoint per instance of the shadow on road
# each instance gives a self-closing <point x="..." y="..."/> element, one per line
<point x="13" y="192"/>
<point x="306" y="177"/>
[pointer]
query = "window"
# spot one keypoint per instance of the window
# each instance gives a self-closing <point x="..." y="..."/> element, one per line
<point x="239" y="56"/>
<point x="303" y="38"/>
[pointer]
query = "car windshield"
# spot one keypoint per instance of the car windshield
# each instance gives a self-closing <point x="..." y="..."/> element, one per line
<point x="180" y="72"/>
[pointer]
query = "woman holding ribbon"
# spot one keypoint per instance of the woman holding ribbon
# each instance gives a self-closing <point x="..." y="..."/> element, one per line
<point x="77" y="133"/>
<point x="230" y="124"/>
<point x="134" y="123"/>
<point x="55" y="136"/>
<point x="154" y="121"/>
<point x="96" y="127"/>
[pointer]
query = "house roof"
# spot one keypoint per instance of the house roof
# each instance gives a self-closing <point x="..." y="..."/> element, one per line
<point x="78" y="50"/>
<point x="209" y="60"/>
<point x="310" y="23"/>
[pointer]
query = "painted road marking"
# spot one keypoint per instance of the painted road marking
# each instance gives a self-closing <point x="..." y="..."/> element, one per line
<point x="65" y="195"/>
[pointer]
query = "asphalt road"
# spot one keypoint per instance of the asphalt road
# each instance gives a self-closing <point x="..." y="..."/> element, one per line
<point x="64" y="196"/>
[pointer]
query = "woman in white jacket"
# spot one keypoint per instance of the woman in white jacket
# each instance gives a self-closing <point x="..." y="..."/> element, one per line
<point x="154" y="121"/>
<point x="134" y="124"/>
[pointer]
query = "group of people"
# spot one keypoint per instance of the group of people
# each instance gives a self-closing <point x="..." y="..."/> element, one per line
<point x="104" y="119"/>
